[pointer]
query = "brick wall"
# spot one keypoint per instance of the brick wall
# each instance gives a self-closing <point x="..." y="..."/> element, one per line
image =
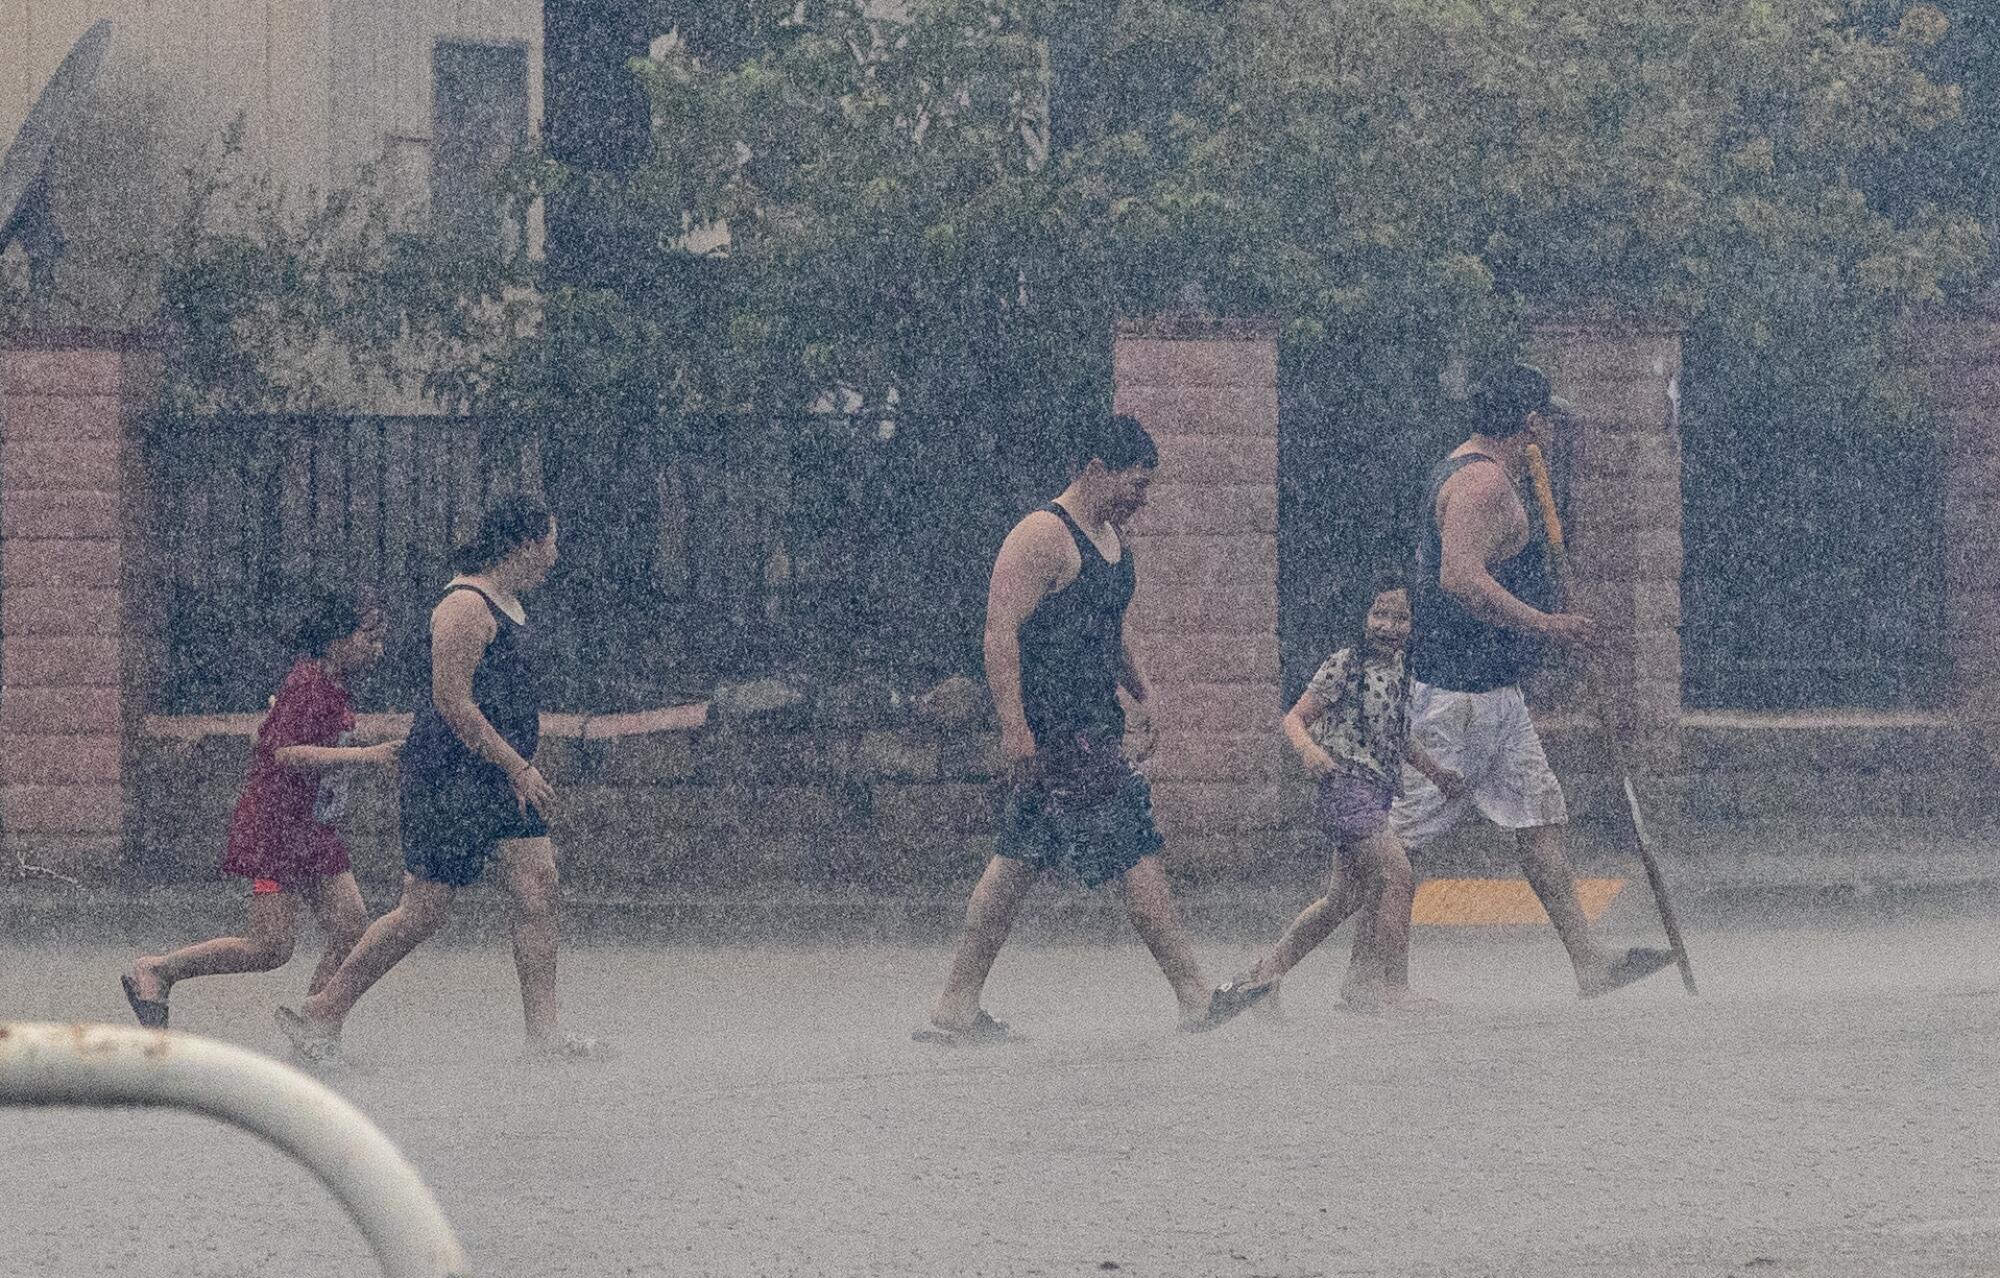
<point x="72" y="676"/>
<point x="1624" y="506"/>
<point x="1205" y="618"/>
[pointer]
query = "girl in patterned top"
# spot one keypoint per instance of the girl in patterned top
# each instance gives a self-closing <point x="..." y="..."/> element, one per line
<point x="1351" y="729"/>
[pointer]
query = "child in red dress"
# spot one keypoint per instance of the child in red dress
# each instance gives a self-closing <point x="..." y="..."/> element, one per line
<point x="281" y="834"/>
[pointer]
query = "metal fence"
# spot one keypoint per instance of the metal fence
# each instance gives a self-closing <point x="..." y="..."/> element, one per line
<point x="736" y="553"/>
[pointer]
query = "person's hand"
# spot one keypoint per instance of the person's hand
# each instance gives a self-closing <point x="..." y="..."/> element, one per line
<point x="1017" y="753"/>
<point x="531" y="790"/>
<point x="1571" y="628"/>
<point x="1140" y="735"/>
<point x="383" y="754"/>
<point x="1320" y="765"/>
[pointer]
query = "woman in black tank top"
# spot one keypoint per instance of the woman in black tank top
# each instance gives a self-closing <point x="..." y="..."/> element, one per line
<point x="469" y="788"/>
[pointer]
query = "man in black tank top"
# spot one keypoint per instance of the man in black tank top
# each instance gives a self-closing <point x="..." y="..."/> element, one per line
<point x="1482" y="601"/>
<point x="1056" y="660"/>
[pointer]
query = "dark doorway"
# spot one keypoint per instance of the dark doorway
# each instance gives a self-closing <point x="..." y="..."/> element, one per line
<point x="1357" y="431"/>
<point x="1813" y="533"/>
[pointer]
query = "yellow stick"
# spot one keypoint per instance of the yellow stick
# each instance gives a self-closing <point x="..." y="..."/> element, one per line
<point x="1545" y="497"/>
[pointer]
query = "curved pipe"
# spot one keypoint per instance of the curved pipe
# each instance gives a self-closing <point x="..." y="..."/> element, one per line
<point x="110" y="1065"/>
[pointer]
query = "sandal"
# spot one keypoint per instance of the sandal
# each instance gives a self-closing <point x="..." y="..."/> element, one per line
<point x="1636" y="965"/>
<point x="570" y="1047"/>
<point x="984" y="1031"/>
<point x="311" y="1044"/>
<point x="152" y="1012"/>
<point x="1231" y="999"/>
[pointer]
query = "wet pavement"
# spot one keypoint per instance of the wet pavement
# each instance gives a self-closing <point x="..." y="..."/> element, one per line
<point x="1828" y="1107"/>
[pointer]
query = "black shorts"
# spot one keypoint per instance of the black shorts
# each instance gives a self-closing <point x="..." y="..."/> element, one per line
<point x="1097" y="838"/>
<point x="449" y="832"/>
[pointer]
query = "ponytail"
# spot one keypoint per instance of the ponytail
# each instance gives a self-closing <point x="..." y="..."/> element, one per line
<point x="508" y="525"/>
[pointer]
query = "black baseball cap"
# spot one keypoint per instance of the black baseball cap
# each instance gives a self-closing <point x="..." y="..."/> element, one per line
<point x="1505" y="395"/>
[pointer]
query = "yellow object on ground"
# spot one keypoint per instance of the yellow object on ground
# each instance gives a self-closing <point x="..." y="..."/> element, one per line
<point x="1475" y="902"/>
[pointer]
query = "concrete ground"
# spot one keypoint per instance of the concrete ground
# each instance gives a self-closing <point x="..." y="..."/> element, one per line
<point x="1828" y="1107"/>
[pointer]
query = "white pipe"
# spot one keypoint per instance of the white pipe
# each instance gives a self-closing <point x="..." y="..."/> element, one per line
<point x="114" y="1065"/>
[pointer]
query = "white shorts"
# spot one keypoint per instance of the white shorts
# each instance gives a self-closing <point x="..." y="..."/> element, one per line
<point x="1487" y="738"/>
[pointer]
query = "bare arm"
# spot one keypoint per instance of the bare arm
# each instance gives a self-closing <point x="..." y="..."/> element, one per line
<point x="1311" y="708"/>
<point x="1131" y="676"/>
<point x="1479" y="514"/>
<point x="1031" y="560"/>
<point x="316" y="759"/>
<point x="461" y="627"/>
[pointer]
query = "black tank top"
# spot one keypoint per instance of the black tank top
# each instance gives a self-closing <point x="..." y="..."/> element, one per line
<point x="506" y="686"/>
<point x="1449" y="647"/>
<point x="1072" y="649"/>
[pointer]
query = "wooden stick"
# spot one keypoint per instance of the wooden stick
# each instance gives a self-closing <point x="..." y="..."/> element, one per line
<point x="1600" y="704"/>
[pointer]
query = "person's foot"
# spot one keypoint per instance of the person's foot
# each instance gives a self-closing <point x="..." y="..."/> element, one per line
<point x="981" y="1031"/>
<point x="151" y="1012"/>
<point x="568" y="1047"/>
<point x="1228" y="1001"/>
<point x="147" y="981"/>
<point x="314" y="1042"/>
<point x="1407" y="1000"/>
<point x="1363" y="991"/>
<point x="1619" y="969"/>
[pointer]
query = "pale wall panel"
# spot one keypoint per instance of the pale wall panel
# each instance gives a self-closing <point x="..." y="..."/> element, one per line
<point x="382" y="70"/>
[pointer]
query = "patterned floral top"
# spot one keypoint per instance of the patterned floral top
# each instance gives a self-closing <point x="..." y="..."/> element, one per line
<point x="1366" y="727"/>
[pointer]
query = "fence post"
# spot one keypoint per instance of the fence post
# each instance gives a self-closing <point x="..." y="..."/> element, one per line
<point x="76" y="641"/>
<point x="1206" y="615"/>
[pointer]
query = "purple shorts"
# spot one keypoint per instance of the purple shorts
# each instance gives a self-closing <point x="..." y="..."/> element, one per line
<point x="1352" y="808"/>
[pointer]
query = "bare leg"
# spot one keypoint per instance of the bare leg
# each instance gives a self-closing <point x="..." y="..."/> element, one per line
<point x="337" y="905"/>
<point x="267" y="945"/>
<point x="989" y="917"/>
<point x="1310" y="929"/>
<point x="1362" y="985"/>
<point x="388" y="940"/>
<point x="1554" y="883"/>
<point x="1151" y="904"/>
<point x="1382" y="943"/>
<point x="529" y="869"/>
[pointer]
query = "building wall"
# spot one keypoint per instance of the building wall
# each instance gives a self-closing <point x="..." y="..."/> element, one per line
<point x="381" y="81"/>
<point x="205" y="60"/>
<point x="328" y="92"/>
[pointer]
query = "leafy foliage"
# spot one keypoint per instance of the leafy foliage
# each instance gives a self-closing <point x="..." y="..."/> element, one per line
<point x="864" y="259"/>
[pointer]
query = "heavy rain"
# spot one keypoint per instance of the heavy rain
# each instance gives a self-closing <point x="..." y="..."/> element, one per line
<point x="920" y="637"/>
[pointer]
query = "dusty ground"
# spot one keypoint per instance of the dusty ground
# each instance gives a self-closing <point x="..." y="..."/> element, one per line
<point x="1827" y="1108"/>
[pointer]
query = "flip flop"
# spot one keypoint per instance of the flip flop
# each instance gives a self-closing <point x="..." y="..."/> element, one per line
<point x="1230" y="1000"/>
<point x="1637" y="964"/>
<point x="571" y="1047"/>
<point x="310" y="1043"/>
<point x="983" y="1032"/>
<point x="152" y="1012"/>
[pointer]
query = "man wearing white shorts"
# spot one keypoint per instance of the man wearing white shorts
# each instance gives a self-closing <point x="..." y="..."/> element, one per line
<point x="1479" y="602"/>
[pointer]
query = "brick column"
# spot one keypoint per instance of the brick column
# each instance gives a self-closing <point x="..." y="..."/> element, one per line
<point x="71" y="675"/>
<point x="1961" y="354"/>
<point x="1206" y="616"/>
<point x="1624" y="506"/>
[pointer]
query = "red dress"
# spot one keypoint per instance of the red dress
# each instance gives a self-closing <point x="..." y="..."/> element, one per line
<point x="273" y="834"/>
